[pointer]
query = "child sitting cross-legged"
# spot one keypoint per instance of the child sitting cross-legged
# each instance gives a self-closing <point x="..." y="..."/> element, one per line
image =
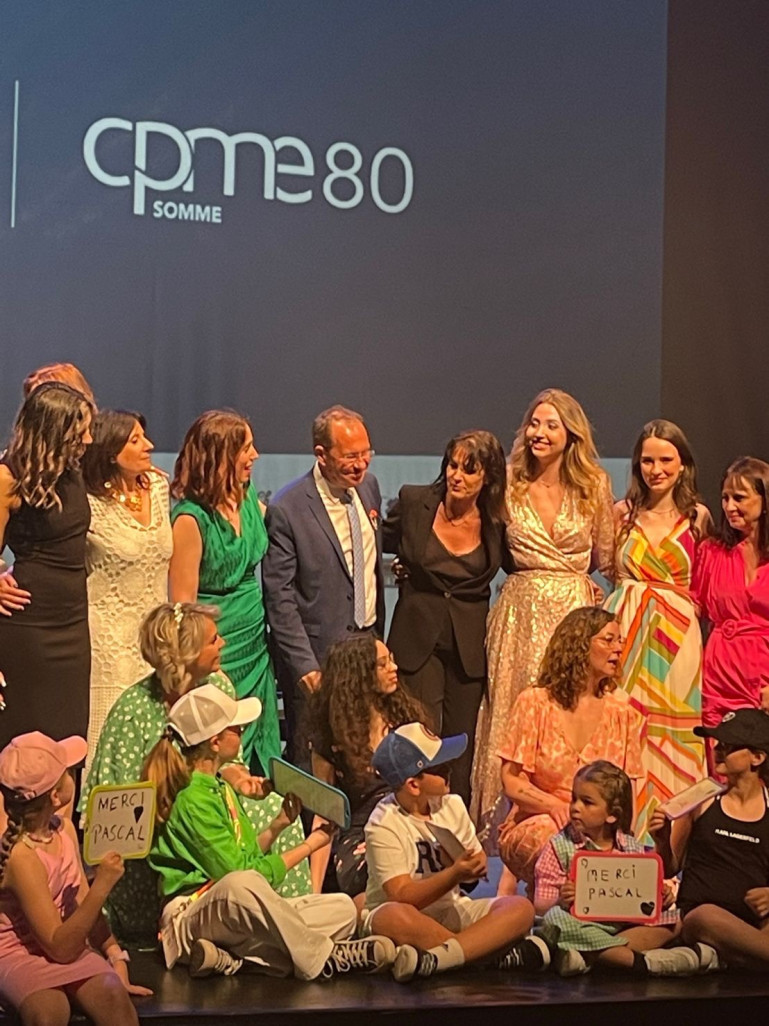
<point x="220" y="907"/>
<point x="413" y="893"/>
<point x="723" y="847"/>
<point x="601" y="811"/>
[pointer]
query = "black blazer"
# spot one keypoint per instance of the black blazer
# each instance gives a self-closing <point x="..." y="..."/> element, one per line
<point x="423" y="598"/>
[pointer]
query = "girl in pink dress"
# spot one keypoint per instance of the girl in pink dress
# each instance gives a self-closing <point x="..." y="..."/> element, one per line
<point x="49" y="918"/>
<point x="731" y="586"/>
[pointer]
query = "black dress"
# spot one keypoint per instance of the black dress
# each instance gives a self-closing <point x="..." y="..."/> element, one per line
<point x="45" y="649"/>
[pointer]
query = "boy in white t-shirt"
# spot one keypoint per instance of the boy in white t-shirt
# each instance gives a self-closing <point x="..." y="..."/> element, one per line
<point x="413" y="893"/>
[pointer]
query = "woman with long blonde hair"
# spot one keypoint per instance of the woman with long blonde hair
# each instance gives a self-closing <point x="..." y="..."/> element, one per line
<point x="560" y="526"/>
<point x="45" y="652"/>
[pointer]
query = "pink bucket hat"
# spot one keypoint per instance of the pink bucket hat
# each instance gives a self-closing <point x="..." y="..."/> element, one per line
<point x="33" y="763"/>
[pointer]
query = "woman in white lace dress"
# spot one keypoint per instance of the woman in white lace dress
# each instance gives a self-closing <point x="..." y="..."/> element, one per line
<point x="129" y="546"/>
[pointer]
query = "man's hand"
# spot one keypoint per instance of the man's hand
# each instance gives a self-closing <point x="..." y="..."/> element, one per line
<point x="311" y="680"/>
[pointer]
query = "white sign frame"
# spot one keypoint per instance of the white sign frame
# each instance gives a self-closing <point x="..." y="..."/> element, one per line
<point x="618" y="887"/>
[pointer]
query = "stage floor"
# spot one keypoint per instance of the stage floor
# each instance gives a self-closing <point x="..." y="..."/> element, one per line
<point x="492" y="997"/>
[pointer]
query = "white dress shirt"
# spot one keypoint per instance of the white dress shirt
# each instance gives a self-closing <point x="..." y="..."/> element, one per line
<point x="337" y="513"/>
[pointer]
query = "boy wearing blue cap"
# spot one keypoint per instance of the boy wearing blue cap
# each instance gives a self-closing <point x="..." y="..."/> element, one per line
<point x="420" y="846"/>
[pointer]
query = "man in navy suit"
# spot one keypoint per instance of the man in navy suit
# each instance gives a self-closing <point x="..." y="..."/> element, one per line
<point x="322" y="574"/>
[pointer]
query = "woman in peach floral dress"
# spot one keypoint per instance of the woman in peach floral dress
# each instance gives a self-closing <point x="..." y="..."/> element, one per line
<point x="574" y="715"/>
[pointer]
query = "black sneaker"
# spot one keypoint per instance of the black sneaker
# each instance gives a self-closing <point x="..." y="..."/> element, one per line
<point x="410" y="962"/>
<point x="531" y="954"/>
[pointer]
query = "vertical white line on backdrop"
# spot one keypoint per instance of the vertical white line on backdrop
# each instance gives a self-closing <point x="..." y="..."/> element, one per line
<point x="15" y="150"/>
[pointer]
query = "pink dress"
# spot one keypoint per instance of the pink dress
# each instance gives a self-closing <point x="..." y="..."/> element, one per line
<point x="24" y="967"/>
<point x="538" y="742"/>
<point x="736" y="662"/>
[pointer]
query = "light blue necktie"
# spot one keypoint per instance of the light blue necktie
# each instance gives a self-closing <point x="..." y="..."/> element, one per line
<point x="358" y="576"/>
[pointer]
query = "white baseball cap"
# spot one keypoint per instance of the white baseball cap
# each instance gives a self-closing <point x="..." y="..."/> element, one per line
<point x="206" y="711"/>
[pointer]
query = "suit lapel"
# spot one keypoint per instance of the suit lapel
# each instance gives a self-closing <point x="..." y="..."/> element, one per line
<point x="425" y="515"/>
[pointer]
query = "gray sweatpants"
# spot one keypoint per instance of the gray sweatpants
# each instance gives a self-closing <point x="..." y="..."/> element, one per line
<point x="242" y="914"/>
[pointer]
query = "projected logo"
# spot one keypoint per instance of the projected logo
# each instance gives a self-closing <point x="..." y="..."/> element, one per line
<point x="289" y="170"/>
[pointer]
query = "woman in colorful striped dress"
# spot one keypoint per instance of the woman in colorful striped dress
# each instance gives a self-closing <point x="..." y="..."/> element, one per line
<point x="660" y="524"/>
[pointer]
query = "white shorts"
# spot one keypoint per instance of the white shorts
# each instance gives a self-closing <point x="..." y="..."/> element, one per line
<point x="457" y="916"/>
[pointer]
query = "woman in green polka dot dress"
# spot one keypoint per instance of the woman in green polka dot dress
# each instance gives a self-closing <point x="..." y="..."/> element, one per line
<point x="182" y="644"/>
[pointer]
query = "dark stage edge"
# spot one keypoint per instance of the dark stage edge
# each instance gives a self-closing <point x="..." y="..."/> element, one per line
<point x="490" y="997"/>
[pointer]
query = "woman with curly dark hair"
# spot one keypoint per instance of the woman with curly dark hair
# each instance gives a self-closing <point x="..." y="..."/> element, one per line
<point x="219" y="540"/>
<point x="731" y="585"/>
<point x="660" y="525"/>
<point x="359" y="701"/>
<point x="572" y="716"/>
<point x="450" y="541"/>
<point x="45" y="651"/>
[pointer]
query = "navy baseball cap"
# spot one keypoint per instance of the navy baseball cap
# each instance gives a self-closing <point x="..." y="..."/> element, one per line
<point x="745" y="727"/>
<point x="412" y="749"/>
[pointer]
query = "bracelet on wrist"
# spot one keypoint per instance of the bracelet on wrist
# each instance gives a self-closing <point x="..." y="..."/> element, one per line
<point x="121" y="955"/>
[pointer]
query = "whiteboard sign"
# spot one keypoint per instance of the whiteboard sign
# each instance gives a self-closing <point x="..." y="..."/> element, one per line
<point x="120" y="818"/>
<point x="615" y="887"/>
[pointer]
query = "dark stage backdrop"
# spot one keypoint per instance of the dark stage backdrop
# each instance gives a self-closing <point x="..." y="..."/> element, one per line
<point x="427" y="210"/>
<point x="715" y="378"/>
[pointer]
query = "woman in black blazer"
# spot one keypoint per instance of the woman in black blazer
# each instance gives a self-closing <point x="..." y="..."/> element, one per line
<point x="449" y="539"/>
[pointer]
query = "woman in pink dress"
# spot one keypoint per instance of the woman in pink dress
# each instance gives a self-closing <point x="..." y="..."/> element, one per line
<point x="574" y="715"/>
<point x="731" y="586"/>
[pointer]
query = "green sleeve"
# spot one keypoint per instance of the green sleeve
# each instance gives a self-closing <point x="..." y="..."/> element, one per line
<point x="203" y="828"/>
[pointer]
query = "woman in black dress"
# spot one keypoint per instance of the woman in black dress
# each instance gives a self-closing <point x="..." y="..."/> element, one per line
<point x="449" y="539"/>
<point x="45" y="653"/>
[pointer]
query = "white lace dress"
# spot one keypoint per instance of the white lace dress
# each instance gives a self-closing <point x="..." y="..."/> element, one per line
<point x="127" y="577"/>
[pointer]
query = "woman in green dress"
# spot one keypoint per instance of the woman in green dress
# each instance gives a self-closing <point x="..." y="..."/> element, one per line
<point x="182" y="644"/>
<point x="219" y="540"/>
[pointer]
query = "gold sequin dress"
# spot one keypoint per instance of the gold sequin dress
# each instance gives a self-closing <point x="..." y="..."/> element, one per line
<point x="550" y="579"/>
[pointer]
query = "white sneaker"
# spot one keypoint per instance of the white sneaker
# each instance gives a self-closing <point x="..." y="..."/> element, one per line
<point x="709" y="958"/>
<point x="569" y="962"/>
<point x="672" y="961"/>
<point x="206" y="959"/>
<point x="370" y="955"/>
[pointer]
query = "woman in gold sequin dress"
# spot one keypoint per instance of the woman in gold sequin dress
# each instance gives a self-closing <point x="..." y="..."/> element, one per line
<point x="559" y="505"/>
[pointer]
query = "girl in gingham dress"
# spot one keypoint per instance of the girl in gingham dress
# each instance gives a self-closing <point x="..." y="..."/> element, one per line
<point x="601" y="813"/>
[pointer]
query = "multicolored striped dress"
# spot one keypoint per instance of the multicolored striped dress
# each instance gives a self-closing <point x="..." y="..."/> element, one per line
<point x="662" y="658"/>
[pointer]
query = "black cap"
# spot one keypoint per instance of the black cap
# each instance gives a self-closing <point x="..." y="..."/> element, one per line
<point x="746" y="727"/>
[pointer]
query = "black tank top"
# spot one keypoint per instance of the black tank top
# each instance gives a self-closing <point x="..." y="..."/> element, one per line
<point x="725" y="858"/>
